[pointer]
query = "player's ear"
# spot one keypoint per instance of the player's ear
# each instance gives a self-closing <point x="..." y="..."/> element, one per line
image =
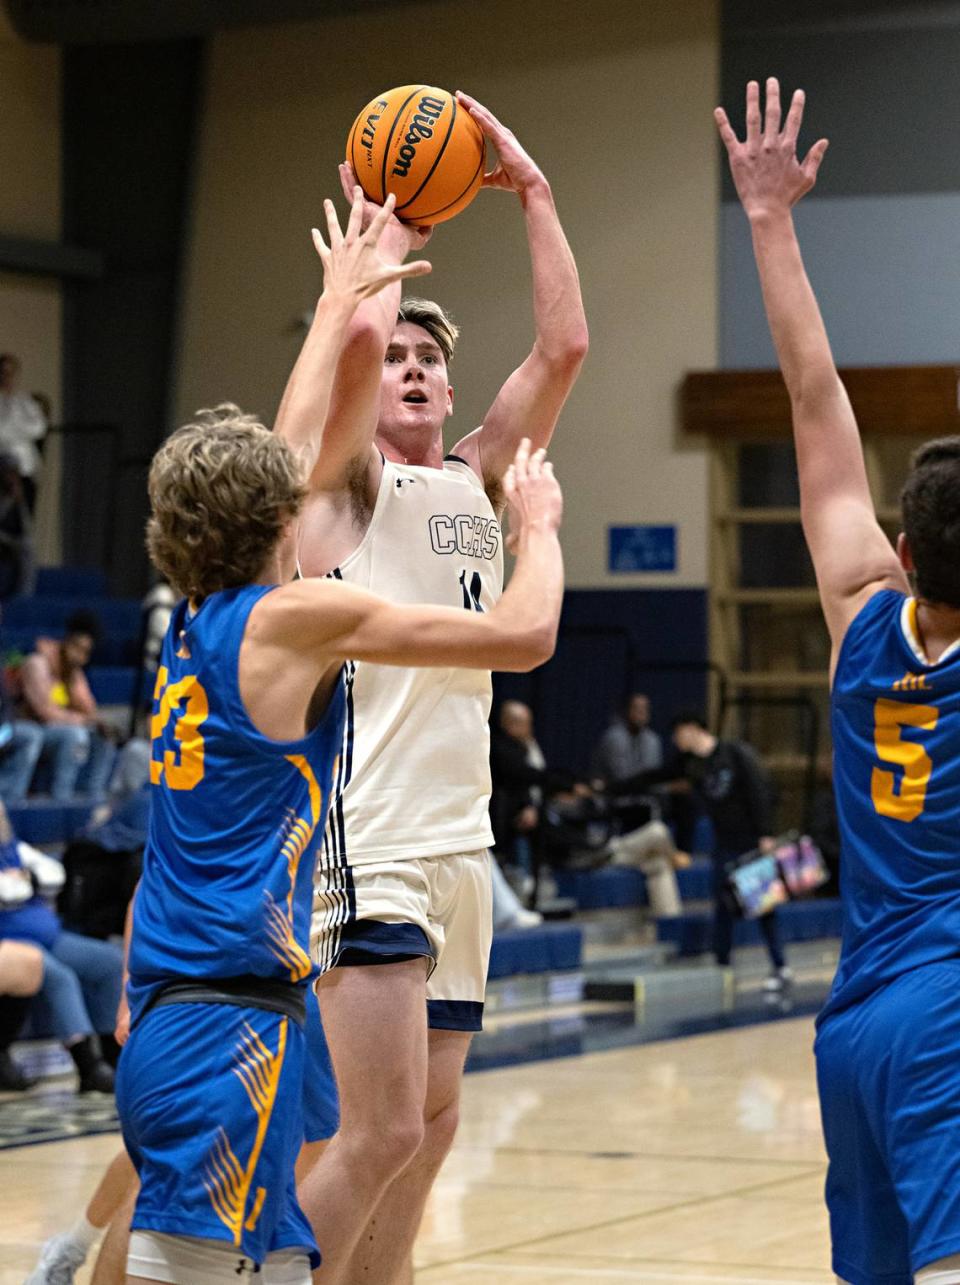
<point x="904" y="554"/>
<point x="449" y="399"/>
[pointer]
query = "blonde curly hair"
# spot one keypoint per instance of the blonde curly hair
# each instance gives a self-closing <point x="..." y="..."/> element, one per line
<point x="221" y="491"/>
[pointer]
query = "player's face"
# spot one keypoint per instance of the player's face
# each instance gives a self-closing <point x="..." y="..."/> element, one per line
<point x="415" y="395"/>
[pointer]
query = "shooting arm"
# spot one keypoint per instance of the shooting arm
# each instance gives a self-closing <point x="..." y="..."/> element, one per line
<point x="530" y="402"/>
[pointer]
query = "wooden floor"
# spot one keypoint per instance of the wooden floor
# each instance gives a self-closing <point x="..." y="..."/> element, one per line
<point x="697" y="1160"/>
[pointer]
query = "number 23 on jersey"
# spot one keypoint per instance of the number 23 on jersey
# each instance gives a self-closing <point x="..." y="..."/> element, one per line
<point x="902" y="794"/>
<point x="185" y="701"/>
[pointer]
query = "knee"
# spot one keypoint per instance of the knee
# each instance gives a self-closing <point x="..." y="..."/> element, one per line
<point x="440" y="1129"/>
<point x="385" y="1141"/>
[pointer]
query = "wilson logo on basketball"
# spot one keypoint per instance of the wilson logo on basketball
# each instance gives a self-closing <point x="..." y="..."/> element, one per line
<point x="421" y="126"/>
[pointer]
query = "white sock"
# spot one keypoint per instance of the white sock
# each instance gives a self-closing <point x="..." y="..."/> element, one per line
<point x="84" y="1233"/>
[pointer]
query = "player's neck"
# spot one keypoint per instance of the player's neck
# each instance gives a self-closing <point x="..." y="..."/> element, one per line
<point x="938" y="627"/>
<point x="425" y="452"/>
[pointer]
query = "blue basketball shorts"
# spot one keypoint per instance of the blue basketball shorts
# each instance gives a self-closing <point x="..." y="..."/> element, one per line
<point x="321" y="1103"/>
<point x="210" y="1102"/>
<point x="888" y="1071"/>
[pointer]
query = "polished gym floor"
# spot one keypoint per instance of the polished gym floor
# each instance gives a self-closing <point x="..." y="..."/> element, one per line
<point x="664" y="1156"/>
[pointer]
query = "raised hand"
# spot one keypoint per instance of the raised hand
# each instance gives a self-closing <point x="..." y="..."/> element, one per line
<point x="766" y="171"/>
<point x="533" y="494"/>
<point x="515" y="171"/>
<point x="353" y="268"/>
<point x="416" y="237"/>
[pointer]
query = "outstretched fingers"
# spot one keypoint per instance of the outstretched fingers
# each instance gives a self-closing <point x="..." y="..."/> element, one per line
<point x="355" y="222"/>
<point x="794" y="117"/>
<point x="333" y="225"/>
<point x="771" y="129"/>
<point x="753" y="113"/>
<point x="813" y="159"/>
<point x="726" y="130"/>
<point x="380" y="219"/>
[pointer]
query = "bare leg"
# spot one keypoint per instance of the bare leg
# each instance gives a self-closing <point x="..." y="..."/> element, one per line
<point x="116" y="1188"/>
<point x="375" y="1019"/>
<point x="385" y="1249"/>
<point x="111" y="1268"/>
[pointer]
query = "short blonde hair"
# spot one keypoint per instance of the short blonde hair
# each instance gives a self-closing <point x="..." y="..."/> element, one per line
<point x="221" y="491"/>
<point x="441" y="328"/>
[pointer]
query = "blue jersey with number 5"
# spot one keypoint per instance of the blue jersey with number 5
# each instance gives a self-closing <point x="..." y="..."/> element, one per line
<point x="896" y="773"/>
<point x="235" y="819"/>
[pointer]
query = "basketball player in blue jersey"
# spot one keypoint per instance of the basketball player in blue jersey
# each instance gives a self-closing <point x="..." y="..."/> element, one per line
<point x="888" y="1043"/>
<point x="247" y="732"/>
<point x="402" y="922"/>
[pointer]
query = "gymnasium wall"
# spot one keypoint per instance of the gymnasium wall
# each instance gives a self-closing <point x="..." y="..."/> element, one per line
<point x="615" y="102"/>
<point x="881" y="231"/>
<point x="30" y="309"/>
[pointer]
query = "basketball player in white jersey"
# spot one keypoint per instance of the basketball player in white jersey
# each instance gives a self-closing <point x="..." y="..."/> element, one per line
<point x="402" y="907"/>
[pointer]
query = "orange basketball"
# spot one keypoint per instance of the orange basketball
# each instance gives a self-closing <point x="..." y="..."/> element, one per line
<point x="419" y="143"/>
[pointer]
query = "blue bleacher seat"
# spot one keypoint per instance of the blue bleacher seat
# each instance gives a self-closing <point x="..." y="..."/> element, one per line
<point x="114" y="684"/>
<point x="42" y="821"/>
<point x="118" y="616"/>
<point x="71" y="582"/>
<point x="536" y="950"/>
<point x="692" y="932"/>
<point x="619" y="886"/>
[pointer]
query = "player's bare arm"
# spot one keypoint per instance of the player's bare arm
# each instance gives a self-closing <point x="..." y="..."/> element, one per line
<point x="851" y="555"/>
<point x="298" y="636"/>
<point x="358" y="264"/>
<point x="530" y="402"/>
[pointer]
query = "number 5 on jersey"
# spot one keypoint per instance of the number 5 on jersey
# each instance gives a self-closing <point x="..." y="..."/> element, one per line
<point x="186" y="702"/>
<point x="904" y="801"/>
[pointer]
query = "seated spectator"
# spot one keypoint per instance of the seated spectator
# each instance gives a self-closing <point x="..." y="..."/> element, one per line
<point x="82" y="978"/>
<point x="76" y="742"/>
<point x="102" y="865"/>
<point x="17" y="562"/>
<point x="730" y="782"/>
<point x="21" y="975"/>
<point x="22" y="426"/>
<point x="629" y="745"/>
<point x="20" y="744"/>
<point x="521" y="782"/>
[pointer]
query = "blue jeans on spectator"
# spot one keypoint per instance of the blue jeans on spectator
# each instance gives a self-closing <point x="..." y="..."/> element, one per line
<point x="80" y="760"/>
<point x="18" y="760"/>
<point x="82" y="980"/>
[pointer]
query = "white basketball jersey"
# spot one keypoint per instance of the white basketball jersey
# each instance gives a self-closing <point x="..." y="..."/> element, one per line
<point x="414" y="776"/>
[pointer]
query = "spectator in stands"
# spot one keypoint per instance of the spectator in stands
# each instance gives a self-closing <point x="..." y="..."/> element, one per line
<point x="629" y="745"/>
<point x="17" y="562"/>
<point x="21" y="974"/>
<point x="22" y="426"/>
<point x="730" y="783"/>
<point x="735" y="791"/>
<point x="521" y="782"/>
<point x="82" y="978"/>
<point x="56" y="694"/>
<point x="21" y="741"/>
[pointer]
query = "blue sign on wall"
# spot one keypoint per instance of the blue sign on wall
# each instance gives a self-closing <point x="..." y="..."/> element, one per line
<point x="641" y="548"/>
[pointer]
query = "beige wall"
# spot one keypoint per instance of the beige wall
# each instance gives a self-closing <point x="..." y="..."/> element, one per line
<point x="614" y="100"/>
<point x="30" y="203"/>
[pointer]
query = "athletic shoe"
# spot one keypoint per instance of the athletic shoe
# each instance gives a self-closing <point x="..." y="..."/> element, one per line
<point x="779" y="980"/>
<point x="99" y="1078"/>
<point x="59" y="1260"/>
<point x="12" y="1079"/>
<point x="526" y="919"/>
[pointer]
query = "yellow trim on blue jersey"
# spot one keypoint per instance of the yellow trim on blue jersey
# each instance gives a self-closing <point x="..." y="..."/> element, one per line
<point x="279" y="923"/>
<point x="227" y="1182"/>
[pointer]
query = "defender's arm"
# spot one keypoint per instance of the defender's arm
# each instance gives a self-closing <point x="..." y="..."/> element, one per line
<point x="331" y="404"/>
<point x="339" y="622"/>
<point x="530" y="402"/>
<point x="851" y="555"/>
